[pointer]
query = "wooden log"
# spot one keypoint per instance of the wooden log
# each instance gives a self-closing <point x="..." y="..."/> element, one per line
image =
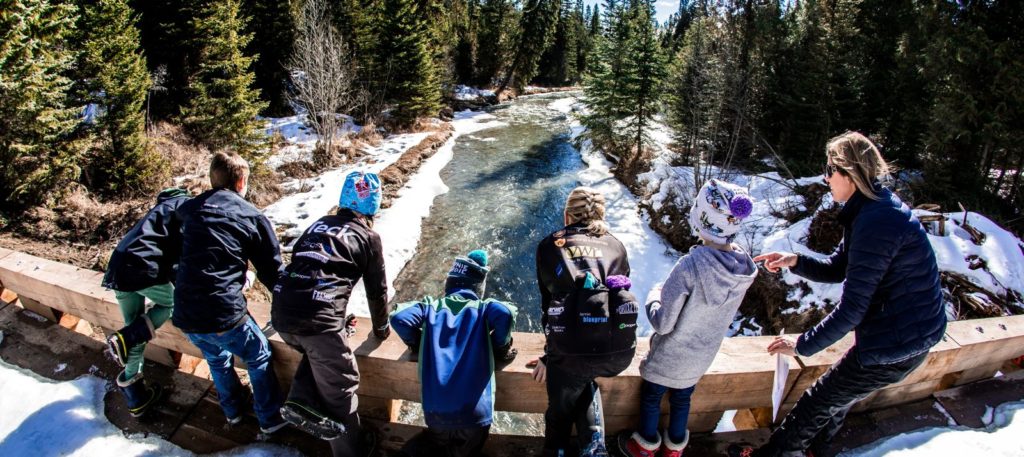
<point x="984" y="342"/>
<point x="47" y="312"/>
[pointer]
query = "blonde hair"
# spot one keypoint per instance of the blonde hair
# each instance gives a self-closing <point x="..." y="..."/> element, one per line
<point x="857" y="156"/>
<point x="226" y="169"/>
<point x="586" y="205"/>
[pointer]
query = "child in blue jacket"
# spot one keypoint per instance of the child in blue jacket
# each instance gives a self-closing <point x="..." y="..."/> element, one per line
<point x="458" y="339"/>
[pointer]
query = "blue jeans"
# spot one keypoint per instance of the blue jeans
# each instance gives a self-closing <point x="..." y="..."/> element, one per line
<point x="248" y="343"/>
<point x="650" y="411"/>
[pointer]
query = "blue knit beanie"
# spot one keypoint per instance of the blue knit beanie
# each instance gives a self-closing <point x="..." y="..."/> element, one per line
<point x="468" y="273"/>
<point x="361" y="193"/>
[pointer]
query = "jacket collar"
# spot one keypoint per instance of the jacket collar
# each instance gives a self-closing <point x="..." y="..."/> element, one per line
<point x="853" y="206"/>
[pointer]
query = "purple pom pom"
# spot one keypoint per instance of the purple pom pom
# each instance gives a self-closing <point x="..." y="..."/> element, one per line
<point x="740" y="206"/>
<point x="618" y="282"/>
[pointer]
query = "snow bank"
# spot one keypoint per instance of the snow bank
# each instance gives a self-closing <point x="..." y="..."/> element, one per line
<point x="296" y="211"/>
<point x="471" y="93"/>
<point x="43" y="417"/>
<point x="1002" y="252"/>
<point x="299" y="139"/>
<point x="1000" y="438"/>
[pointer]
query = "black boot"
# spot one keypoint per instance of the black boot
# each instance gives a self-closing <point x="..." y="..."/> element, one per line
<point x="312" y="422"/>
<point x="139" y="396"/>
<point x="138" y="332"/>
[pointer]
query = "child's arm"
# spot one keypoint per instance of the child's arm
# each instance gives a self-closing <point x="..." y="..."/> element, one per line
<point x="664" y="312"/>
<point x="501" y="320"/>
<point x="407" y="320"/>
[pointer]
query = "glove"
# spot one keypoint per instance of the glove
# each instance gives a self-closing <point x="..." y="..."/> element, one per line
<point x="382" y="332"/>
<point x="505" y="353"/>
<point x="350" y="325"/>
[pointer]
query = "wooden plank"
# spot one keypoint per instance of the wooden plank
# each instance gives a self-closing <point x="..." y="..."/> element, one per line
<point x="8" y="296"/>
<point x="31" y="305"/>
<point x="811" y="368"/>
<point x="986" y="341"/>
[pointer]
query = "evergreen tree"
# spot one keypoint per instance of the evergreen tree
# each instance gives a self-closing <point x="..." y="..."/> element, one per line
<point x="558" y="62"/>
<point x="496" y="21"/>
<point x="37" y="155"/>
<point x="115" y="80"/>
<point x="222" y="111"/>
<point x="466" y="48"/>
<point x="603" y="89"/>
<point x="643" y="74"/>
<point x="412" y="80"/>
<point x="171" y="55"/>
<point x="536" y="28"/>
<point x="272" y="27"/>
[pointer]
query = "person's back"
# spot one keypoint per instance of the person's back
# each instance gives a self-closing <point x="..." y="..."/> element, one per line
<point x="221" y="234"/>
<point x="457" y="339"/>
<point x="689" y="315"/>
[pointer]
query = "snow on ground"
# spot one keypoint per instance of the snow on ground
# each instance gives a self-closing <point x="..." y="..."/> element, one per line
<point x="299" y="139"/>
<point x="471" y="93"/>
<point x="1003" y="253"/>
<point x="1000" y="438"/>
<point x="297" y="211"/>
<point x="43" y="418"/>
<point x="400" y="225"/>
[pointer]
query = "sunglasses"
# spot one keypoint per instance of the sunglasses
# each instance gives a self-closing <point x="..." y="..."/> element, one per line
<point x="830" y="169"/>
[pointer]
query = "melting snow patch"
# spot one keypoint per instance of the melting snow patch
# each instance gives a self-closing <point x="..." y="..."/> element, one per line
<point x="43" y="417"/>
<point x="34" y="315"/>
<point x="60" y="367"/>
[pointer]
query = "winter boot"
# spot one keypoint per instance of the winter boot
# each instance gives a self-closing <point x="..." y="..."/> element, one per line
<point x="140" y="397"/>
<point x="634" y="445"/>
<point x="137" y="332"/>
<point x="312" y="422"/>
<point x="673" y="449"/>
<point x="737" y="450"/>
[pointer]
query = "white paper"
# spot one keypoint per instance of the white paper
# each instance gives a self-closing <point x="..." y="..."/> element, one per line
<point x="779" y="385"/>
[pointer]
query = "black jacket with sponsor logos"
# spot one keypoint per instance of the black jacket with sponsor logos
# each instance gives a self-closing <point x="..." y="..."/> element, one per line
<point x="221" y="233"/>
<point x="602" y="256"/>
<point x="311" y="295"/>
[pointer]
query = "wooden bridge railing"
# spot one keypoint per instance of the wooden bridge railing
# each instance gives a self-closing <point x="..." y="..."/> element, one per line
<point x="739" y="379"/>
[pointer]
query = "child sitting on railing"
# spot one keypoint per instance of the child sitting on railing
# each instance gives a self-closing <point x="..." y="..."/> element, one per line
<point x="690" y="314"/>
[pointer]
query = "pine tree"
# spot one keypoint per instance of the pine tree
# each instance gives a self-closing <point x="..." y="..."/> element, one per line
<point x="536" y="28"/>
<point x="115" y="80"/>
<point x="171" y="54"/>
<point x="37" y="153"/>
<point x="272" y="27"/>
<point x="222" y="112"/>
<point x="603" y="89"/>
<point x="412" y="79"/>
<point x="496" y="21"/>
<point x="466" y="48"/>
<point x="644" y="72"/>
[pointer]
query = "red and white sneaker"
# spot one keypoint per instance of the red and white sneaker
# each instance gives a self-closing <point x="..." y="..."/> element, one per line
<point x="635" y="445"/>
<point x="673" y="449"/>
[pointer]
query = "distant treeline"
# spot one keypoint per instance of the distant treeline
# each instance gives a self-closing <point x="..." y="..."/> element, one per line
<point x="938" y="83"/>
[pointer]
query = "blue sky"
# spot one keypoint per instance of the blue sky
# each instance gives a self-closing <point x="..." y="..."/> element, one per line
<point x="664" y="8"/>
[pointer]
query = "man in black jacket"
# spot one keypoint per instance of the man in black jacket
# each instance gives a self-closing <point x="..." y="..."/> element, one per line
<point x="221" y="234"/>
<point x="142" y="267"/>
<point x="310" y="303"/>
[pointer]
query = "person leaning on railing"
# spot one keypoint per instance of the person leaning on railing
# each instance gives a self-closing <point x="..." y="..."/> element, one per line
<point x="891" y="299"/>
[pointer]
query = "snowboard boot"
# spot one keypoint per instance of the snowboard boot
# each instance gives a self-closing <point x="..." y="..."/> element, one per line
<point x="312" y="422"/>
<point x="634" y="445"/>
<point x="137" y="332"/>
<point x="670" y="448"/>
<point x="140" y="397"/>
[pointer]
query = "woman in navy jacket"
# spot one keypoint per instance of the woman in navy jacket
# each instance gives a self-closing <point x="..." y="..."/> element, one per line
<point x="891" y="300"/>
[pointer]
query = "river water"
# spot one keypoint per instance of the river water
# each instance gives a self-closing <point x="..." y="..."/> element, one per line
<point x="507" y="186"/>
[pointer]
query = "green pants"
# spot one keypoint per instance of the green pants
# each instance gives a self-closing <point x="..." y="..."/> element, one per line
<point x="133" y="306"/>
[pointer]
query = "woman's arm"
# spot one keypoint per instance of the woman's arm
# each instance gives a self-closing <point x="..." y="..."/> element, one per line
<point x="872" y="249"/>
<point x="830" y="270"/>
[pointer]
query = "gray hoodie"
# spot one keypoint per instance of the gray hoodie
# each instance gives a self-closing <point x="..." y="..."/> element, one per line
<point x="698" y="302"/>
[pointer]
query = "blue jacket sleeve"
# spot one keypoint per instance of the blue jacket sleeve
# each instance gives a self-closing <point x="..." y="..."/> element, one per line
<point x="872" y="248"/>
<point x="407" y="321"/>
<point x="501" y="320"/>
<point x="674" y="295"/>
<point x="830" y="270"/>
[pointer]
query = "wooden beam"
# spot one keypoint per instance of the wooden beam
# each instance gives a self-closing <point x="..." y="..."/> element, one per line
<point x="47" y="312"/>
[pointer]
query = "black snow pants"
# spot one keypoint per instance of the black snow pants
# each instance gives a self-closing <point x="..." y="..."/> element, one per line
<point x="463" y="442"/>
<point x="820" y="412"/>
<point x="326" y="381"/>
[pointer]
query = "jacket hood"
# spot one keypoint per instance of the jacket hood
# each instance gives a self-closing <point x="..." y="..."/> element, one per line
<point x="171" y="192"/>
<point x="723" y="271"/>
